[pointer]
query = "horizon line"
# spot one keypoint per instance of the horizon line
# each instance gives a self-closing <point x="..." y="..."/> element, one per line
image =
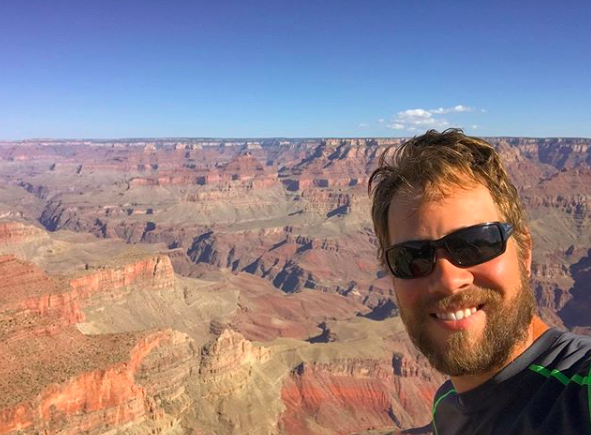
<point x="243" y="138"/>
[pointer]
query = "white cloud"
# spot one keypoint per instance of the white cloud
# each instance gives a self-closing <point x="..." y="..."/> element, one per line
<point x="474" y="126"/>
<point x="363" y="124"/>
<point x="460" y="108"/>
<point x="396" y="126"/>
<point x="415" y="118"/>
<point x="381" y="120"/>
<point x="422" y="119"/>
<point x="415" y="113"/>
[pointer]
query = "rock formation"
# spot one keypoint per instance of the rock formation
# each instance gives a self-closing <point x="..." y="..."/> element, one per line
<point x="56" y="380"/>
<point x="251" y="299"/>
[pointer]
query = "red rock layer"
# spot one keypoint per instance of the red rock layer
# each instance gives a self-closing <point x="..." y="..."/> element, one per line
<point x="55" y="380"/>
<point x="151" y="272"/>
<point x="31" y="303"/>
<point x="346" y="399"/>
<point x="242" y="171"/>
<point x="226" y="363"/>
<point x="266" y="314"/>
<point x="17" y="232"/>
<point x="344" y="265"/>
<point x="86" y="388"/>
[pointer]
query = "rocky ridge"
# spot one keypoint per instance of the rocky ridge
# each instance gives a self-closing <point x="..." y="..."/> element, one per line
<point x="55" y="379"/>
<point x="280" y="278"/>
<point x="164" y="380"/>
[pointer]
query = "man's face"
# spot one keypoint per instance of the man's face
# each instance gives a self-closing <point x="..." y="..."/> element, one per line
<point x="495" y="293"/>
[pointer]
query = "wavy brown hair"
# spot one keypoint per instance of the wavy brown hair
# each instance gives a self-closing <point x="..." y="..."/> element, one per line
<point x="434" y="162"/>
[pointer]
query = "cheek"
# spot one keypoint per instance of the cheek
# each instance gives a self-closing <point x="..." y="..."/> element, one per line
<point x="499" y="272"/>
<point x="407" y="293"/>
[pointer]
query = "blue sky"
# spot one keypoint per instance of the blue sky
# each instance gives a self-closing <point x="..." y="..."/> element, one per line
<point x="306" y="68"/>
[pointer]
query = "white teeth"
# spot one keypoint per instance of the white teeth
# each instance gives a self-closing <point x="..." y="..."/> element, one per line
<point x="457" y="315"/>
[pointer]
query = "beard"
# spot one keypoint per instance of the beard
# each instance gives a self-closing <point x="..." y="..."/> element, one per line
<point x="462" y="353"/>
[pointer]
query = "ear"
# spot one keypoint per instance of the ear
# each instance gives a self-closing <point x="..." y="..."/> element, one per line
<point x="527" y="252"/>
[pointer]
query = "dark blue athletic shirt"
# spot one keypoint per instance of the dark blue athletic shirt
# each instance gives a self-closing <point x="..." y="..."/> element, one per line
<point x="546" y="390"/>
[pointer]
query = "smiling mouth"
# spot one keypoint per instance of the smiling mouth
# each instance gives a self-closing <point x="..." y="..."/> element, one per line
<point x="457" y="314"/>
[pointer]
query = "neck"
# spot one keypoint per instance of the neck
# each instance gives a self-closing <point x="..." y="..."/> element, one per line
<point x="466" y="383"/>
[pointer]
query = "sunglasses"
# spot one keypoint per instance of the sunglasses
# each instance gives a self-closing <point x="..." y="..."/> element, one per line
<point x="466" y="247"/>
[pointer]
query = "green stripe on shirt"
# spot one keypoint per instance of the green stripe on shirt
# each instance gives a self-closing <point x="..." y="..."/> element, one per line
<point x="560" y="376"/>
<point x="437" y="404"/>
<point x="578" y="379"/>
<point x="589" y="393"/>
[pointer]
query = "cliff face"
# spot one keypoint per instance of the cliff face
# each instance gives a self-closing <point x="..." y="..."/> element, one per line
<point x="562" y="153"/>
<point x="235" y="388"/>
<point x="265" y="313"/>
<point x="92" y="400"/>
<point x="56" y="380"/>
<point x="389" y="388"/>
<point x="278" y="231"/>
<point x="565" y="193"/>
<point x="246" y="388"/>
<point x="243" y="171"/>
<point x="293" y="262"/>
<point x="226" y="361"/>
<point x="17" y="232"/>
<point x="31" y="303"/>
<point x="153" y="272"/>
<point x="576" y="310"/>
<point x="109" y="396"/>
<point x="345" y="396"/>
<point x="332" y="202"/>
<point x="232" y="189"/>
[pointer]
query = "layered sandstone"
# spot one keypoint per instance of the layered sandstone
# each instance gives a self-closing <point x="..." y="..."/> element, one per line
<point x="236" y="388"/>
<point x="331" y="165"/>
<point x="382" y="384"/>
<point x="18" y="232"/>
<point x="345" y="396"/>
<point x="153" y="272"/>
<point x="293" y="262"/>
<point x="56" y="380"/>
<point x="265" y="313"/>
<point x="32" y="304"/>
<point x="278" y="231"/>
<point x="227" y="360"/>
<point x="88" y="385"/>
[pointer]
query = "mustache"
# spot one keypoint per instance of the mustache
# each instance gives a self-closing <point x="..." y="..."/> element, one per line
<point x="474" y="296"/>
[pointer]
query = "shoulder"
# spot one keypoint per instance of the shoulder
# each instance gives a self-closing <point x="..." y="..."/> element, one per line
<point x="564" y="375"/>
<point x="574" y="341"/>
<point x="445" y="397"/>
<point x="569" y="354"/>
<point x="445" y="391"/>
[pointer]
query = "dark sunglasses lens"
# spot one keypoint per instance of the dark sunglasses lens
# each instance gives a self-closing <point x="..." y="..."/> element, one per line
<point x="410" y="261"/>
<point x="473" y="246"/>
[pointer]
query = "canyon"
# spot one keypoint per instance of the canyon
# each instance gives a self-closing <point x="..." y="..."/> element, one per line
<point x="211" y="286"/>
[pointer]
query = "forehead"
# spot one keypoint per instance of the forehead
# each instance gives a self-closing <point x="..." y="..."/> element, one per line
<point x="415" y="216"/>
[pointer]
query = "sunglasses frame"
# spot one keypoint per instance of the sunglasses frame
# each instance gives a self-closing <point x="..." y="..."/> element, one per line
<point x="505" y="229"/>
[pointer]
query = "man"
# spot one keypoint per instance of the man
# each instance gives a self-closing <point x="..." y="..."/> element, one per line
<point x="453" y="234"/>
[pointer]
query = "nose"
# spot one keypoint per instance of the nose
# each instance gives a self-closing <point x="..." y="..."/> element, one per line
<point x="447" y="278"/>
